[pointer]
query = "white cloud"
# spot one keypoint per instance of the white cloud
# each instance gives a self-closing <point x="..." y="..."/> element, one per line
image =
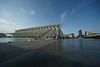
<point x="73" y="10"/>
<point x="27" y="11"/>
<point x="8" y="27"/>
<point x="32" y="12"/>
<point x="13" y="24"/>
<point x="62" y="16"/>
<point x="6" y="13"/>
<point x="3" y="21"/>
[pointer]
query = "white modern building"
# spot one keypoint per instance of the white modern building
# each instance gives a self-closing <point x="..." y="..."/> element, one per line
<point x="39" y="33"/>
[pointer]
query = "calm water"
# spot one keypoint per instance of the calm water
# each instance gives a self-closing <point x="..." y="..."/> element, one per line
<point x="5" y="40"/>
<point x="75" y="52"/>
<point x="61" y="53"/>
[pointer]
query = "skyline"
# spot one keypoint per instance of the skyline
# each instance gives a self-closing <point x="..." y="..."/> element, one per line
<point x="72" y="15"/>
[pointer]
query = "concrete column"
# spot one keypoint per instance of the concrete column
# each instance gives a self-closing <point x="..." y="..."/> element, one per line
<point x="33" y="29"/>
<point x="50" y="28"/>
<point x="47" y="28"/>
<point x="43" y="28"/>
<point x="40" y="29"/>
<point x="36" y="29"/>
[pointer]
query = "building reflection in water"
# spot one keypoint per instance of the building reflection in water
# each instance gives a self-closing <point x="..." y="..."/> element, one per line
<point x="52" y="48"/>
<point x="75" y="51"/>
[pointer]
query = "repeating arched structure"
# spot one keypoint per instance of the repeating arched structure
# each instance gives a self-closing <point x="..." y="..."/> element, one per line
<point x="39" y="33"/>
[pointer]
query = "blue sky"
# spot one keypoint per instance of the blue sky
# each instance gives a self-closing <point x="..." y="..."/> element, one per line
<point x="73" y="15"/>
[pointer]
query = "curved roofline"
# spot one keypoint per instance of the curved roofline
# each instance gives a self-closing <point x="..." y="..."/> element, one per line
<point x="39" y="27"/>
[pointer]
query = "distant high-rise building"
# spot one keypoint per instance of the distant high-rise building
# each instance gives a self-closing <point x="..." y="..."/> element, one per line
<point x="74" y="35"/>
<point x="80" y="33"/>
<point x="86" y="33"/>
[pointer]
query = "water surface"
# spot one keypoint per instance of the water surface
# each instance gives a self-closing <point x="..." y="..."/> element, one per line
<point x="5" y="40"/>
<point x="61" y="53"/>
<point x="79" y="53"/>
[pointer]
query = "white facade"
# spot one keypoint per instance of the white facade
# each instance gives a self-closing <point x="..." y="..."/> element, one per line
<point x="43" y="32"/>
